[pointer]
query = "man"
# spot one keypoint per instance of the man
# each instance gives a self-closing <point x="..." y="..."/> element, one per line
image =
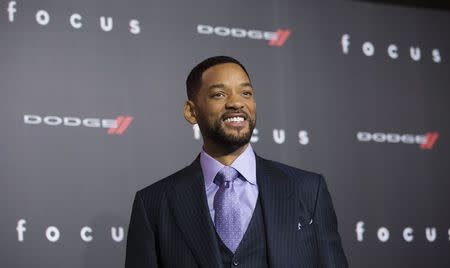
<point x="231" y="207"/>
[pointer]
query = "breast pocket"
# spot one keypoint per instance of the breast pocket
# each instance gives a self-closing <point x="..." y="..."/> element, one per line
<point x="306" y="229"/>
<point x="307" y="244"/>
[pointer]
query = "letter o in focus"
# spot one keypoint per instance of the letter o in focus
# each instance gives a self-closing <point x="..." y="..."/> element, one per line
<point x="383" y="234"/>
<point x="42" y="17"/>
<point x="368" y="49"/>
<point x="52" y="234"/>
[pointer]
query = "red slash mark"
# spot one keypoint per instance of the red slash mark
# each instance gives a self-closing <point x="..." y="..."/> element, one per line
<point x="430" y="140"/>
<point x="282" y="36"/>
<point x="122" y="124"/>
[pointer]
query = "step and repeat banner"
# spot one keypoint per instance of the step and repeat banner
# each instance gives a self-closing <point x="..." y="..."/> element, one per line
<point x="91" y="97"/>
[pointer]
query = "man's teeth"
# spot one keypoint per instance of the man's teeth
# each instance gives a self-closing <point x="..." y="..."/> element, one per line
<point x="234" y="119"/>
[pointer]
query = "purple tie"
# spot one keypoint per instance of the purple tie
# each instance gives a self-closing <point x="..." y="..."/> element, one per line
<point x="226" y="206"/>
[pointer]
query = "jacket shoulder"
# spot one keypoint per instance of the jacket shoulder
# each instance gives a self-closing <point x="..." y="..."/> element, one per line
<point x="307" y="184"/>
<point x="162" y="185"/>
<point x="154" y="194"/>
<point x="296" y="174"/>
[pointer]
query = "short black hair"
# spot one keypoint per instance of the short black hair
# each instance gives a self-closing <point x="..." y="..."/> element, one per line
<point x="194" y="79"/>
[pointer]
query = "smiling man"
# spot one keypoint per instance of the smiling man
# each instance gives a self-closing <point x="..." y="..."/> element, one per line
<point x="231" y="207"/>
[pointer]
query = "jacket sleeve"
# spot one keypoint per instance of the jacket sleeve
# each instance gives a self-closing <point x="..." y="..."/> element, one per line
<point x="330" y="247"/>
<point x="141" y="249"/>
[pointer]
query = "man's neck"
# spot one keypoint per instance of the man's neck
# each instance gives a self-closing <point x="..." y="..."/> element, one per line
<point x="225" y="156"/>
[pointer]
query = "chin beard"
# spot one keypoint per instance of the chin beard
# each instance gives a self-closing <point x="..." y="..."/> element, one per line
<point x="218" y="134"/>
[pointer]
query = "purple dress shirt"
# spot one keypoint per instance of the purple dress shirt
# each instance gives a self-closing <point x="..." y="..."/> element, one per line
<point x="245" y="185"/>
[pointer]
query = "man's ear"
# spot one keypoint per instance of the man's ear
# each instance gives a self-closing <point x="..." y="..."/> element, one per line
<point x="189" y="112"/>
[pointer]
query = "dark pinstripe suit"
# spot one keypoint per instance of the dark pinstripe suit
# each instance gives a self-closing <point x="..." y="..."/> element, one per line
<point x="170" y="224"/>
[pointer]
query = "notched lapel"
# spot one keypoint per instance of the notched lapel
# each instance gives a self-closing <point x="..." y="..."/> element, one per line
<point x="189" y="207"/>
<point x="283" y="211"/>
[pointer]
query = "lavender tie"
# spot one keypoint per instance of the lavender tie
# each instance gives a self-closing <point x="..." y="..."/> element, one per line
<point x="226" y="206"/>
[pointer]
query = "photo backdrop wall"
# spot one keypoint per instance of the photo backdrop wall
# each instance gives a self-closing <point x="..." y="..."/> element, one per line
<point x="91" y="96"/>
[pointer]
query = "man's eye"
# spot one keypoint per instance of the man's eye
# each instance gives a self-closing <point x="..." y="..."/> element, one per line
<point x="218" y="95"/>
<point x="247" y="93"/>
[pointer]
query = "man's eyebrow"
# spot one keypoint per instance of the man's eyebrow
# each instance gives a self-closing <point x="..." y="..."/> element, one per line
<point x="219" y="86"/>
<point x="246" y="84"/>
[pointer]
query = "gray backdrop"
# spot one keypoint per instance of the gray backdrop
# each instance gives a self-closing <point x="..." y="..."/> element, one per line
<point x="331" y="99"/>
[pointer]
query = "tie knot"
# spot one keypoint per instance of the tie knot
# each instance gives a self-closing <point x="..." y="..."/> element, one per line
<point x="226" y="174"/>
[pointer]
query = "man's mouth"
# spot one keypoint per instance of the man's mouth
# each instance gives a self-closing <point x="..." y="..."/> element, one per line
<point x="234" y="120"/>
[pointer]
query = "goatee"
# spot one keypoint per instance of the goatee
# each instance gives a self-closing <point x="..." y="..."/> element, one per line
<point x="217" y="133"/>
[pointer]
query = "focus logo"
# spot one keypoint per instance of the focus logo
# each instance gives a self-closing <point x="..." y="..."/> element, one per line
<point x="392" y="50"/>
<point x="426" y="141"/>
<point x="76" y="20"/>
<point x="277" y="38"/>
<point x="115" y="126"/>
<point x="279" y="135"/>
<point x="408" y="234"/>
<point x="53" y="233"/>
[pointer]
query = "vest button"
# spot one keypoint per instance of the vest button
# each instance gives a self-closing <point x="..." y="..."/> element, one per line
<point x="235" y="262"/>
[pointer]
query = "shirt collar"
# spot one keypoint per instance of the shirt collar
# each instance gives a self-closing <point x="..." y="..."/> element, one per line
<point x="245" y="164"/>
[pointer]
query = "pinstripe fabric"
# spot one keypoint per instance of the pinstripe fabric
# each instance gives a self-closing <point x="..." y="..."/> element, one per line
<point x="252" y="249"/>
<point x="291" y="195"/>
<point x="170" y="225"/>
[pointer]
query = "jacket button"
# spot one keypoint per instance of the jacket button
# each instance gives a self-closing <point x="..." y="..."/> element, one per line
<point x="235" y="262"/>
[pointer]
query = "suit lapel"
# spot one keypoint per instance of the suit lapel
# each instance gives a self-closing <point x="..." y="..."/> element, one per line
<point x="189" y="207"/>
<point x="282" y="211"/>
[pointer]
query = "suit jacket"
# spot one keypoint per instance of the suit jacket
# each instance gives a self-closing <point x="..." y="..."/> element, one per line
<point x="170" y="223"/>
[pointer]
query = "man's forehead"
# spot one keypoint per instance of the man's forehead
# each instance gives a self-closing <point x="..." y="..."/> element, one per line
<point x="223" y="73"/>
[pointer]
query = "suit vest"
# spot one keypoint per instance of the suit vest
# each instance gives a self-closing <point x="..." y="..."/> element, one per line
<point x="251" y="252"/>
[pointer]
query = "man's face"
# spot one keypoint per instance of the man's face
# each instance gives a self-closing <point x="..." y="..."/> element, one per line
<point x="225" y="105"/>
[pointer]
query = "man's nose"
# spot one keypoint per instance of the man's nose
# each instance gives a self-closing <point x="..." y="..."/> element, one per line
<point x="234" y="101"/>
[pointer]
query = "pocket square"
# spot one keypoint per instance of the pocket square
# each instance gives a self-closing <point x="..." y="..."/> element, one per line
<point x="300" y="226"/>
